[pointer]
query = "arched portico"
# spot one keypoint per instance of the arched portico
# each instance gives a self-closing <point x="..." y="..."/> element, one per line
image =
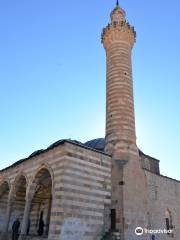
<point x="37" y="212"/>
<point x="41" y="203"/>
<point x="18" y="199"/>
<point x="4" y="193"/>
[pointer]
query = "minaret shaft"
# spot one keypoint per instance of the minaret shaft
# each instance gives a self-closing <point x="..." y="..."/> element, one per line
<point x="120" y="123"/>
<point x="118" y="39"/>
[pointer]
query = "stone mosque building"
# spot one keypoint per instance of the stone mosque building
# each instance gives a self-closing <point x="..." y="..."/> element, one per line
<point x="101" y="189"/>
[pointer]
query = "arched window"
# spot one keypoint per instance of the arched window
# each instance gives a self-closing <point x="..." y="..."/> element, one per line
<point x="169" y="222"/>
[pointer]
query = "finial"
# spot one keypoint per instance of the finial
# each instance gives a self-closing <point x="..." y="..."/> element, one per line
<point x="117" y="3"/>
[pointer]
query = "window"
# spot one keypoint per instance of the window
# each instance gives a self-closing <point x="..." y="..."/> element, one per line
<point x="113" y="219"/>
<point x="169" y="223"/>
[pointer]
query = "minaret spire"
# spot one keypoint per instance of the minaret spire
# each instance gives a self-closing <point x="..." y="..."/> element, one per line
<point x="117" y="3"/>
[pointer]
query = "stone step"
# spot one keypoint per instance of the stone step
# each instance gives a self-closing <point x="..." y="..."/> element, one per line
<point x="8" y="236"/>
<point x="35" y="238"/>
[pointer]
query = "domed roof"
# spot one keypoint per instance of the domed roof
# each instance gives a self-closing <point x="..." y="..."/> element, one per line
<point x="98" y="144"/>
<point x="61" y="141"/>
<point x="35" y="153"/>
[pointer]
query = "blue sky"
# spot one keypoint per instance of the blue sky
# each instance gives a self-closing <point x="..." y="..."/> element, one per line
<point x="52" y="77"/>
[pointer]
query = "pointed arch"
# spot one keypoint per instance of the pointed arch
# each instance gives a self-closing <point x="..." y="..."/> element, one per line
<point x="19" y="176"/>
<point x="4" y="196"/>
<point x="169" y="222"/>
<point x="4" y="185"/>
<point x="41" y="193"/>
<point x="18" y="198"/>
<point x="46" y="167"/>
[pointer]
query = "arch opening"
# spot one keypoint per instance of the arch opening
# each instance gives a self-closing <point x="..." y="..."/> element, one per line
<point x="4" y="193"/>
<point x="169" y="222"/>
<point x="18" y="201"/>
<point x="41" y="204"/>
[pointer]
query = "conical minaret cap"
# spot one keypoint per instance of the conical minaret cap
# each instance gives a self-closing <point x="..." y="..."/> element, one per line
<point x="118" y="14"/>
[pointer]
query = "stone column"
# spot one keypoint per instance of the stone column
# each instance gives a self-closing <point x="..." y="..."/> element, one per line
<point x="47" y="220"/>
<point x="4" y="234"/>
<point x="26" y="217"/>
<point x="52" y="233"/>
<point x="8" y="215"/>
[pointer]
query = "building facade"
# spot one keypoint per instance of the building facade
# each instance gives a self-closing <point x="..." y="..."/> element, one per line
<point x="103" y="189"/>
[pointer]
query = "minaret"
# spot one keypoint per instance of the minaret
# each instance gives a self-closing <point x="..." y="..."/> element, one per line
<point x="129" y="191"/>
<point x="118" y="39"/>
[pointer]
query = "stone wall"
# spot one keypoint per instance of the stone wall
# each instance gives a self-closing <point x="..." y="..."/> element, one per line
<point x="149" y="163"/>
<point x="81" y="188"/>
<point x="84" y="190"/>
<point x="163" y="197"/>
